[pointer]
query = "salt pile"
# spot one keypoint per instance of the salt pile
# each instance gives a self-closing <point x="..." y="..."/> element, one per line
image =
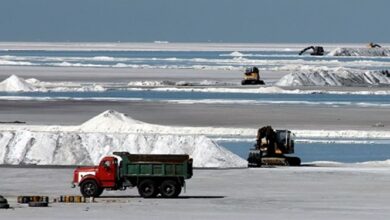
<point x="151" y="83"/>
<point x="65" y="86"/>
<point x="16" y="84"/>
<point x="236" y="54"/>
<point x="33" y="81"/>
<point x="110" y="121"/>
<point x="377" y="52"/>
<point x="179" y="83"/>
<point x="71" y="148"/>
<point x="105" y="133"/>
<point x="116" y="122"/>
<point x="86" y="88"/>
<point x="385" y="163"/>
<point x="337" y="77"/>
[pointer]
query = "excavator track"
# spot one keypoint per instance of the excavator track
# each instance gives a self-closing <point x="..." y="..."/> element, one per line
<point x="281" y="161"/>
<point x="256" y="160"/>
<point x="274" y="161"/>
<point x="293" y="161"/>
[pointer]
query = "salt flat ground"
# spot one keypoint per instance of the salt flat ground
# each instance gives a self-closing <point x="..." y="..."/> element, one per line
<point x="265" y="193"/>
<point x="123" y="75"/>
<point x="214" y="115"/>
<point x="283" y="116"/>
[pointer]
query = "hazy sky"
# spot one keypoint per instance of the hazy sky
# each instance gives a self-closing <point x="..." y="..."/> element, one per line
<point x="334" y="21"/>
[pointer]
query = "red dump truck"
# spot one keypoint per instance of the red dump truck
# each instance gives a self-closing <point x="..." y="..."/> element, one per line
<point x="152" y="174"/>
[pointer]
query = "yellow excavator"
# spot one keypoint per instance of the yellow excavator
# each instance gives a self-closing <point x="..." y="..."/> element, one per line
<point x="271" y="147"/>
<point x="252" y="77"/>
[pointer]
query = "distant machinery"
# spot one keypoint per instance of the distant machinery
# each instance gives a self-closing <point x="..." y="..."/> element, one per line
<point x="271" y="147"/>
<point x="373" y="45"/>
<point x="252" y="77"/>
<point x="316" y="50"/>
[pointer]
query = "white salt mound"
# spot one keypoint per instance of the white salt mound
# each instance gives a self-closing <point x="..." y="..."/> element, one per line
<point x="33" y="81"/>
<point x="110" y="121"/>
<point x="16" y="84"/>
<point x="173" y="83"/>
<point x="375" y="52"/>
<point x="205" y="83"/>
<point x="72" y="148"/>
<point x="86" y="146"/>
<point x="385" y="163"/>
<point x="236" y="54"/>
<point x="151" y="83"/>
<point x="338" y="77"/>
<point x="86" y="88"/>
<point x="116" y="122"/>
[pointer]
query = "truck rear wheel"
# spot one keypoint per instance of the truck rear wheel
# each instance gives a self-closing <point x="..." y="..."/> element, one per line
<point x="170" y="189"/>
<point x="147" y="188"/>
<point x="90" y="188"/>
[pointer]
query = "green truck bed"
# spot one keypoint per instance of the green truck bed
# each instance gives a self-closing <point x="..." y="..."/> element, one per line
<point x="154" y="165"/>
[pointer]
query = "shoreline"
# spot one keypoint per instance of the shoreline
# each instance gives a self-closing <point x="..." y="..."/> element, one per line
<point x="168" y="46"/>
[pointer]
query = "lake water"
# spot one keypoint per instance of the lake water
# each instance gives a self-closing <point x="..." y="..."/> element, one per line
<point x="266" y="60"/>
<point x="309" y="152"/>
<point x="211" y="97"/>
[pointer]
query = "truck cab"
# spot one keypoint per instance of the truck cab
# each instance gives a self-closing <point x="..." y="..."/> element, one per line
<point x="105" y="175"/>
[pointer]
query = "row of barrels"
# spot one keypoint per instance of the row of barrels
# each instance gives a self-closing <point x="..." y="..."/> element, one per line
<point x="43" y="201"/>
<point x="34" y="201"/>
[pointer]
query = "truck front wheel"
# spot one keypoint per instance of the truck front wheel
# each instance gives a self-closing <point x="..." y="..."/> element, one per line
<point x="147" y="188"/>
<point x="170" y="189"/>
<point x="90" y="188"/>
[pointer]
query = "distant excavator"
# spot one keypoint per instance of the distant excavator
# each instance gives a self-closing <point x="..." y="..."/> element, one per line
<point x="271" y="147"/>
<point x="373" y="45"/>
<point x="252" y="77"/>
<point x="316" y="50"/>
<point x="385" y="73"/>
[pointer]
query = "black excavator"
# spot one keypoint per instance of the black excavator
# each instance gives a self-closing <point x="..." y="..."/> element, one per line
<point x="316" y="50"/>
<point x="373" y="45"/>
<point x="252" y="77"/>
<point x="385" y="73"/>
<point x="271" y="147"/>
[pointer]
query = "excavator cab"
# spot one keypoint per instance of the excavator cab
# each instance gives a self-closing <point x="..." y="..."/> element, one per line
<point x="252" y="77"/>
<point x="284" y="142"/>
<point x="271" y="147"/>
